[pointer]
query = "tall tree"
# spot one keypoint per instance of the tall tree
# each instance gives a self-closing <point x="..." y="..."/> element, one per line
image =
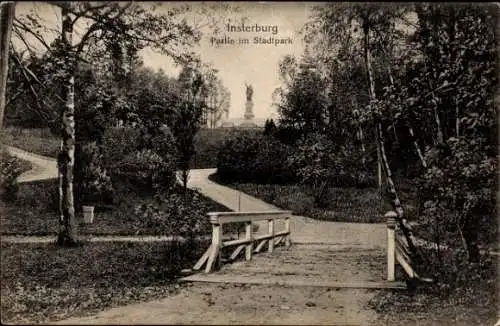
<point x="347" y="31"/>
<point x="218" y="99"/>
<point x="137" y="28"/>
<point x="7" y="11"/>
<point x="187" y="115"/>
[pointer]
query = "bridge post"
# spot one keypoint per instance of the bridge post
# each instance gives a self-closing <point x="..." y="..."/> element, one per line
<point x="391" y="244"/>
<point x="248" y="236"/>
<point x="215" y="254"/>
<point x="271" y="232"/>
<point x="288" y="240"/>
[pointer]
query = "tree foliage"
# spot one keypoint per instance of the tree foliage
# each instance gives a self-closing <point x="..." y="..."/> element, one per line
<point x="425" y="76"/>
<point x="96" y="53"/>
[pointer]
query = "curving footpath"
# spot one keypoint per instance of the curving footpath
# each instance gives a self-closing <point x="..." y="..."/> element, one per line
<point x="43" y="167"/>
<point x="340" y="251"/>
<point x="322" y="251"/>
<point x="304" y="229"/>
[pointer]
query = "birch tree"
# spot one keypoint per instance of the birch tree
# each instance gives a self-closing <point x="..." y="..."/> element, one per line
<point x="7" y="11"/>
<point x="131" y="23"/>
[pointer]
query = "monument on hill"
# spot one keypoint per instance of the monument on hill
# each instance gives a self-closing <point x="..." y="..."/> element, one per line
<point x="248" y="108"/>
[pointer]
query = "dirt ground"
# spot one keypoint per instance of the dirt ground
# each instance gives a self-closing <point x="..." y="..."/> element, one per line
<point x="322" y="251"/>
<point x="215" y="303"/>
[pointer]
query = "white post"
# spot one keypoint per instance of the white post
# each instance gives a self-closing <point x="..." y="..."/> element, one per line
<point x="271" y="233"/>
<point x="288" y="241"/>
<point x="219" y="246"/>
<point x="391" y="245"/>
<point x="239" y="201"/>
<point x="215" y="247"/>
<point x="248" y="236"/>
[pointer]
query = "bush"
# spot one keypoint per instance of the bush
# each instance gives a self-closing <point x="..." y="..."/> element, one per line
<point x="147" y="162"/>
<point x="255" y="158"/>
<point x="147" y="170"/>
<point x="117" y="143"/>
<point x="11" y="169"/>
<point x="178" y="214"/>
<point x="207" y="143"/>
<point x="458" y="193"/>
<point x="93" y="182"/>
<point x="322" y="164"/>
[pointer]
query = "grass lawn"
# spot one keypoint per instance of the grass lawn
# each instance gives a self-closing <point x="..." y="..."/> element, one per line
<point x="347" y="204"/>
<point x="39" y="141"/>
<point x="42" y="282"/>
<point x="35" y="213"/>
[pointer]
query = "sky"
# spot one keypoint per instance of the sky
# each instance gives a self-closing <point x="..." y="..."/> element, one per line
<point x="256" y="64"/>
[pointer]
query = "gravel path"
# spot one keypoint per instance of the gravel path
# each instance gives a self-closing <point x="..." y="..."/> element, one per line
<point x="43" y="167"/>
<point x="321" y="250"/>
<point x="337" y="251"/>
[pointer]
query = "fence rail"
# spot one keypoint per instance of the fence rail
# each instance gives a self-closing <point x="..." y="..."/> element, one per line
<point x="213" y="255"/>
<point x="398" y="251"/>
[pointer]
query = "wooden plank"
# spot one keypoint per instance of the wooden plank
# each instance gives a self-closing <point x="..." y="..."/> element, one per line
<point x="261" y="244"/>
<point x="288" y="240"/>
<point x="236" y="252"/>
<point x="278" y="240"/>
<point x="403" y="253"/>
<point x="235" y="242"/>
<point x="203" y="259"/>
<point x="271" y="233"/>
<point x="411" y="273"/>
<point x="267" y="280"/>
<point x="245" y="241"/>
<point x="213" y="255"/>
<point x="233" y="217"/>
<point x="248" y="236"/>
<point x="404" y="247"/>
<point x="268" y="236"/>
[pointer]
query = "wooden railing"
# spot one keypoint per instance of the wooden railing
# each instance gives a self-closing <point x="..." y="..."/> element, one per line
<point x="213" y="255"/>
<point x="398" y="251"/>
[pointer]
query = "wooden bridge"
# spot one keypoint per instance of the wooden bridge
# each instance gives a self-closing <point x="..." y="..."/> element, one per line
<point x="332" y="265"/>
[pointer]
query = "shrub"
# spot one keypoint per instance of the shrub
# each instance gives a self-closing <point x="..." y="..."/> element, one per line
<point x="117" y="143"/>
<point x="147" y="170"/>
<point x="207" y="143"/>
<point x="270" y="127"/>
<point x="321" y="164"/>
<point x="11" y="169"/>
<point x="93" y="182"/>
<point x="316" y="162"/>
<point x="254" y="158"/>
<point x="458" y="193"/>
<point x="146" y="161"/>
<point x="178" y="214"/>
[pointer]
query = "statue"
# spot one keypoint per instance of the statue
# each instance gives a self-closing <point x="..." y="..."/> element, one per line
<point x="249" y="106"/>
<point x="249" y="92"/>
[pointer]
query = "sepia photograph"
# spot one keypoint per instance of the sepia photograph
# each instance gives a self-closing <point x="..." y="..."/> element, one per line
<point x="249" y="163"/>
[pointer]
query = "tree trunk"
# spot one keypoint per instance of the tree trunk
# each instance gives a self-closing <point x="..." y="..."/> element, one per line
<point x="440" y="137"/>
<point x="67" y="225"/>
<point x="417" y="148"/>
<point x="7" y="11"/>
<point x="469" y="233"/>
<point x="360" y="136"/>
<point x="395" y="202"/>
<point x="379" y="169"/>
<point x="410" y="129"/>
<point x="371" y="92"/>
